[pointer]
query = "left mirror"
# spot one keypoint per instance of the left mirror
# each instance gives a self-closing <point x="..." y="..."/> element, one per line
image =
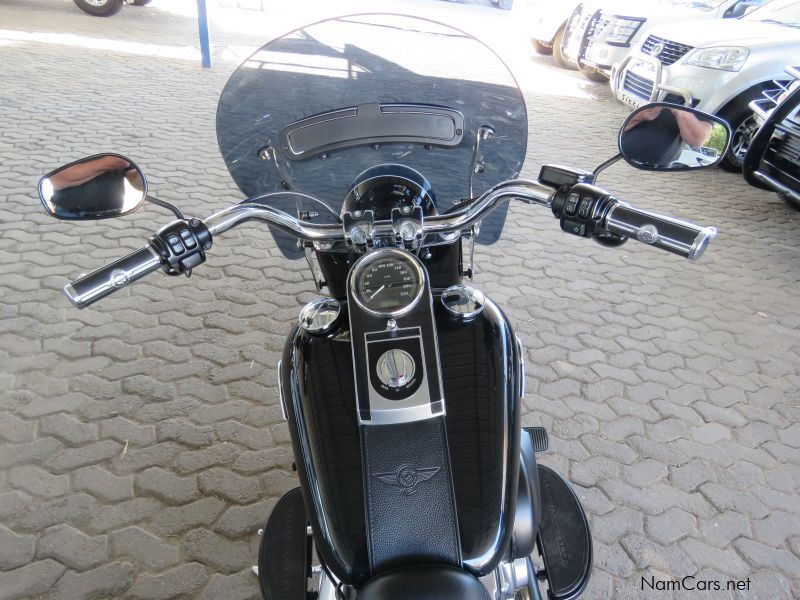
<point x="668" y="137"/>
<point x="97" y="187"/>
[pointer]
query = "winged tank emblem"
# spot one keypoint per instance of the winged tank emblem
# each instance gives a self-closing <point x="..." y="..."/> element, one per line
<point x="407" y="477"/>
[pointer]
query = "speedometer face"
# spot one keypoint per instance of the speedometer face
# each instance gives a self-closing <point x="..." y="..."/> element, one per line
<point x="388" y="284"/>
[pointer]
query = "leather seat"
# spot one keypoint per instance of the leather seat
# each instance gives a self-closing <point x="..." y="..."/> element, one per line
<point x="424" y="582"/>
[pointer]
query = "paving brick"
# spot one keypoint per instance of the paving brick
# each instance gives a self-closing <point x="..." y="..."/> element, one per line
<point x="219" y="553"/>
<point x="124" y="430"/>
<point x="67" y="509"/>
<point x="724" y="528"/>
<point x="671" y="560"/>
<point x="669" y="527"/>
<point x="237" y="521"/>
<point x="106" y="581"/>
<point x="32" y="580"/>
<point x="38" y="482"/>
<point x="68" y="429"/>
<point x="761" y="556"/>
<point x="15" y="550"/>
<point x="103" y="484"/>
<point x="645" y="473"/>
<point x="229" y="485"/>
<point x="72" y="547"/>
<point x="185" y="432"/>
<point x="177" y="519"/>
<point x="239" y="586"/>
<point x="12" y="504"/>
<point x="621" y="521"/>
<point x="167" y="486"/>
<point x="69" y="459"/>
<point x="144" y="547"/>
<point x="13" y="429"/>
<point x="107" y="518"/>
<point x="180" y="581"/>
<point x="195" y="460"/>
<point x="28" y="452"/>
<point x="776" y="528"/>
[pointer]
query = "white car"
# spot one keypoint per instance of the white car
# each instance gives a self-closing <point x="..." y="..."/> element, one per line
<point x="548" y="22"/>
<point x="718" y="67"/>
<point x="601" y="32"/>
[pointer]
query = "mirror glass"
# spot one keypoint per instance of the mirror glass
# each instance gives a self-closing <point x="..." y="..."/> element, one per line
<point x="97" y="187"/>
<point x="667" y="137"/>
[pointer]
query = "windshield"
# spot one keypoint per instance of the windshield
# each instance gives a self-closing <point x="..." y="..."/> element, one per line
<point x="779" y="13"/>
<point x="313" y="109"/>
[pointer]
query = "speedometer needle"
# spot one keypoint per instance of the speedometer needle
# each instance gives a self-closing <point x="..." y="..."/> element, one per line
<point x="376" y="292"/>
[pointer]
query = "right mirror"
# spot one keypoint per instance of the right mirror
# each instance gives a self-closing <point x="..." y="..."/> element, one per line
<point x="667" y="137"/>
<point x="97" y="187"/>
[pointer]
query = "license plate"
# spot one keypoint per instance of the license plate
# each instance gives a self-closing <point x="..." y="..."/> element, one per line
<point x="632" y="100"/>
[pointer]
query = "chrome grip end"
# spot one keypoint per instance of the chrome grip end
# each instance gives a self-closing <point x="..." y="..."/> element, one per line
<point x="667" y="233"/>
<point x="701" y="243"/>
<point x="90" y="288"/>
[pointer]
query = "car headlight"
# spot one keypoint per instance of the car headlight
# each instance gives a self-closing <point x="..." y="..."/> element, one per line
<point x="616" y="30"/>
<point x="727" y="58"/>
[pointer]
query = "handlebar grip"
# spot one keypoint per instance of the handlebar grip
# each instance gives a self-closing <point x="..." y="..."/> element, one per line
<point x="100" y="283"/>
<point x="673" y="235"/>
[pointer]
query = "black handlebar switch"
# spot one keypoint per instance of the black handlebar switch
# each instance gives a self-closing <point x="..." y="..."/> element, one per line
<point x="181" y="245"/>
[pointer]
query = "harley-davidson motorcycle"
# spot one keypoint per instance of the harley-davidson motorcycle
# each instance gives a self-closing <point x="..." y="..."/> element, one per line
<point x="381" y="148"/>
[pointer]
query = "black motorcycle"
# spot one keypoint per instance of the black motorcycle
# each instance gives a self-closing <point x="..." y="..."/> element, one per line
<point x="772" y="161"/>
<point x="381" y="148"/>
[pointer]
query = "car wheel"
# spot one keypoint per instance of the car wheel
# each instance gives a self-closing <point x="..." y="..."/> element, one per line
<point x="100" y="8"/>
<point x="541" y="47"/>
<point x="558" y="56"/>
<point x="594" y="74"/>
<point x="744" y="126"/>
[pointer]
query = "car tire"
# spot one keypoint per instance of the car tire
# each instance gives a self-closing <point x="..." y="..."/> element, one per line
<point x="100" y="8"/>
<point x="594" y="74"/>
<point x="541" y="47"/>
<point x="558" y="56"/>
<point x="743" y="127"/>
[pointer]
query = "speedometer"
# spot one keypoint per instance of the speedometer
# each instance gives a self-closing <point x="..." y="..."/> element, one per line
<point x="387" y="283"/>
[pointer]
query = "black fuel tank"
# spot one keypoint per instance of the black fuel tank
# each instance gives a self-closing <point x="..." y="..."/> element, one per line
<point x="481" y="378"/>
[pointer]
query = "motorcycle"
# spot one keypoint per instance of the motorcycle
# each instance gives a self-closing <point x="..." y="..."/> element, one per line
<point x="772" y="161"/>
<point x="401" y="386"/>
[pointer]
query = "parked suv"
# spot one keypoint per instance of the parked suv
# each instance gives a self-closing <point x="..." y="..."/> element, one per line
<point x="773" y="160"/>
<point x="106" y="8"/>
<point x="716" y="66"/>
<point x="549" y="20"/>
<point x="601" y="32"/>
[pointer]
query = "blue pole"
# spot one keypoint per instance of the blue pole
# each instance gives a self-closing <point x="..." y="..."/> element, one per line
<point x="205" y="42"/>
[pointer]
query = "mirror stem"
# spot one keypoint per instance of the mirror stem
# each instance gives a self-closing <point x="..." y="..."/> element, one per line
<point x="164" y="204"/>
<point x="603" y="166"/>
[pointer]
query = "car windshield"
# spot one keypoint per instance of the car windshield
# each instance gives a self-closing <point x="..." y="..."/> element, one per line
<point x="313" y="109"/>
<point x="698" y="4"/>
<point x="779" y="13"/>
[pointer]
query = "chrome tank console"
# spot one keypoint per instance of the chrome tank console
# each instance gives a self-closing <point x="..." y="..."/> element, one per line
<point x="395" y="349"/>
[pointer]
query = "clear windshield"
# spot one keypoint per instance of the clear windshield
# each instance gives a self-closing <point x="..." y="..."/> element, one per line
<point x="779" y="12"/>
<point x="311" y="110"/>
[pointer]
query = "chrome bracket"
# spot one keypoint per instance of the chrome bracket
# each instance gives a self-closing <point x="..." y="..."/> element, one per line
<point x="319" y="280"/>
<point x="407" y="227"/>
<point x="359" y="229"/>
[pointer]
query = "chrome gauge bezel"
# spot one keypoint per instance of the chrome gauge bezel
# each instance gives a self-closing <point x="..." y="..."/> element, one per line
<point x="310" y="310"/>
<point x="362" y="265"/>
<point x="458" y="290"/>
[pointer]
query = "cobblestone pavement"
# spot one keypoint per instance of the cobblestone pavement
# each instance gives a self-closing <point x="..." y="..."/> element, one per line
<point x="141" y="443"/>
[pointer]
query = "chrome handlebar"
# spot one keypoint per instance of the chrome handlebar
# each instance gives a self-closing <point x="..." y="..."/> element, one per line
<point x="670" y="234"/>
